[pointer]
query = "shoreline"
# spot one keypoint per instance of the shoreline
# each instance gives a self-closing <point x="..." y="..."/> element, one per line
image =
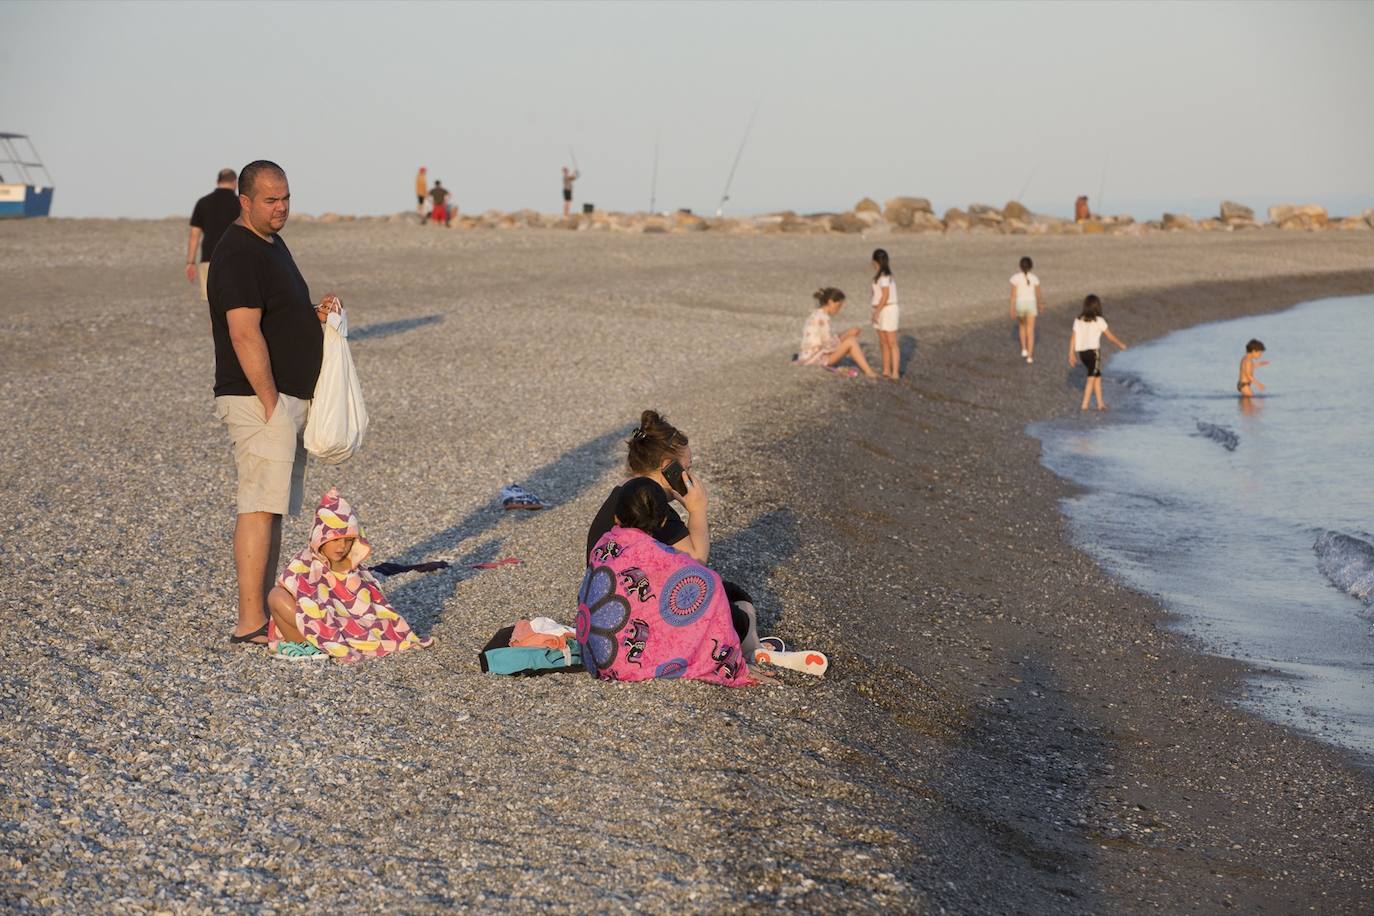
<point x="1203" y="804"/>
<point x="141" y="761"/>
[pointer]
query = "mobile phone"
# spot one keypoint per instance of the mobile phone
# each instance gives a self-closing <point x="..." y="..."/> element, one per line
<point x="673" y="474"/>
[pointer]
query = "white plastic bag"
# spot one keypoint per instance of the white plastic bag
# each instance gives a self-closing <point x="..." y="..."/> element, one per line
<point x="338" y="419"/>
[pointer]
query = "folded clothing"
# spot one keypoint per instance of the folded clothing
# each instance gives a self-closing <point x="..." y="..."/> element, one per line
<point x="543" y="632"/>
<point x="499" y="657"/>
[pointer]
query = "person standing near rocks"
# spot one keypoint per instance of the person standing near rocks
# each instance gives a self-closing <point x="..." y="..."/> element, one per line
<point x="421" y="190"/>
<point x="569" y="176"/>
<point x="213" y="214"/>
<point x="268" y="348"/>
<point x="1081" y="213"/>
<point x="439" y="194"/>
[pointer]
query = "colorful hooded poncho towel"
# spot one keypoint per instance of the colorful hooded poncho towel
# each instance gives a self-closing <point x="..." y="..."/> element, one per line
<point x="648" y="611"/>
<point x="344" y="615"/>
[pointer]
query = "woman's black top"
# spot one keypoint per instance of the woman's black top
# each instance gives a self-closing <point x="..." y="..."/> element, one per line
<point x="670" y="532"/>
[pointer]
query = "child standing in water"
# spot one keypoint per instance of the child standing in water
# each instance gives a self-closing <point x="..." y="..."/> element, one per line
<point x="1084" y="342"/>
<point x="819" y="345"/>
<point x="1025" y="305"/>
<point x="1248" y="364"/>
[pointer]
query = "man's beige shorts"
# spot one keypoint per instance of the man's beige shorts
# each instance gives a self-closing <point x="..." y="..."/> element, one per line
<point x="204" y="269"/>
<point x="268" y="454"/>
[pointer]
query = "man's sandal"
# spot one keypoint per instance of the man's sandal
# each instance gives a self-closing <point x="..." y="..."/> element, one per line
<point x="250" y="639"/>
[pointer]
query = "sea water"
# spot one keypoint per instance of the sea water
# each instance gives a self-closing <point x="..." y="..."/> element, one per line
<point x="1251" y="519"/>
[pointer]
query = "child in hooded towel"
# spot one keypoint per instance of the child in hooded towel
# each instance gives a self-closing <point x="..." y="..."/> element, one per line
<point x="327" y="605"/>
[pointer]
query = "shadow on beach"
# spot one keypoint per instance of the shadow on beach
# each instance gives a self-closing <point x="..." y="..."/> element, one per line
<point x="561" y="480"/>
<point x="750" y="557"/>
<point x="388" y="328"/>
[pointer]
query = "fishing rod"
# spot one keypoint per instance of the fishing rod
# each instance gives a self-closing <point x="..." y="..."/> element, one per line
<point x="1102" y="188"/>
<point x="1025" y="187"/>
<point x="573" y="157"/>
<point x="653" y="186"/>
<point x="725" y="195"/>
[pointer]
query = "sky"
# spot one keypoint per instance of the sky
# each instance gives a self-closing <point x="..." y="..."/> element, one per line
<point x="1144" y="107"/>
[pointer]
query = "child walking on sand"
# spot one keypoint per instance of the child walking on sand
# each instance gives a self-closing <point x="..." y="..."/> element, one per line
<point x="1025" y="305"/>
<point x="885" y="313"/>
<point x="819" y="346"/>
<point x="1248" y="364"/>
<point x="1084" y="342"/>
<point x="327" y="605"/>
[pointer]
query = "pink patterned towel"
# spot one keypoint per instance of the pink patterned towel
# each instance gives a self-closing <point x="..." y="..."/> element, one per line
<point x="648" y="611"/>
<point x="344" y="615"/>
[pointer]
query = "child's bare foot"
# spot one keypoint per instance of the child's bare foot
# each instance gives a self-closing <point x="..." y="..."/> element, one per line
<point x="1101" y="406"/>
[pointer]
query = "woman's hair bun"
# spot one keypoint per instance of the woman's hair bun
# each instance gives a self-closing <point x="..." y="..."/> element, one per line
<point x="651" y="441"/>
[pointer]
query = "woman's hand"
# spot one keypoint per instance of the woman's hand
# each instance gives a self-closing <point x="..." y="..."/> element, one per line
<point x="1073" y="360"/>
<point x="694" y="500"/>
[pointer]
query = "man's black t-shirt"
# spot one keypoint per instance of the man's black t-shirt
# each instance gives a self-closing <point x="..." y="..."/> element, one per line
<point x="670" y="532"/>
<point x="247" y="272"/>
<point x="214" y="213"/>
<point x="440" y="195"/>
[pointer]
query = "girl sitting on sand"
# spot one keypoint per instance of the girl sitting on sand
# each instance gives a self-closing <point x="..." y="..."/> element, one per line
<point x="327" y="605"/>
<point x="1025" y="305"/>
<point x="1084" y="342"/>
<point x="819" y="346"/>
<point x="885" y="313"/>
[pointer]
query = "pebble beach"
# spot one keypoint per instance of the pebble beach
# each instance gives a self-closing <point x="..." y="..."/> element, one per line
<point x="1003" y="728"/>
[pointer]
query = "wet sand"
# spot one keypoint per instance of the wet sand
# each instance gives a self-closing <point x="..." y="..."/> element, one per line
<point x="1003" y="729"/>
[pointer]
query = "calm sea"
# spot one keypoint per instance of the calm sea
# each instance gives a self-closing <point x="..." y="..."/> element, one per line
<point x="1254" y="522"/>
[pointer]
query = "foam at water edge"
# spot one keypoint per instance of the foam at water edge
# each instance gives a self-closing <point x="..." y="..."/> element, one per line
<point x="1349" y="563"/>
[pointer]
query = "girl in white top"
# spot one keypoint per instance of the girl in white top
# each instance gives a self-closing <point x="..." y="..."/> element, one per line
<point x="1084" y="342"/>
<point x="819" y="346"/>
<point x="1025" y="305"/>
<point x="885" y="313"/>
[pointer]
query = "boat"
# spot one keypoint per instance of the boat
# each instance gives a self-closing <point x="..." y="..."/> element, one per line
<point x="23" y="197"/>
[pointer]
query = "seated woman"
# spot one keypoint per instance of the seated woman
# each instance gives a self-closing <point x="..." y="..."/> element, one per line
<point x="819" y="346"/>
<point x="658" y="451"/>
<point x="327" y="605"/>
<point x="647" y="611"/>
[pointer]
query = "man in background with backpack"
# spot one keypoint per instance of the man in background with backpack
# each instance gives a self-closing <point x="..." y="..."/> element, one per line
<point x="268" y="349"/>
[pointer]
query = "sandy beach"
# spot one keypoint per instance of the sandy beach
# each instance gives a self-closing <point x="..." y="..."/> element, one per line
<point x="1003" y="728"/>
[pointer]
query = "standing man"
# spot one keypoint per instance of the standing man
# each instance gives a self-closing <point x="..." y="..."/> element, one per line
<point x="212" y="215"/>
<point x="568" y="178"/>
<point x="421" y="190"/>
<point x="268" y="347"/>
<point x="440" y="197"/>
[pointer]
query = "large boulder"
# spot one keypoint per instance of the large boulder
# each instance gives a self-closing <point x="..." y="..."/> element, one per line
<point x="1178" y="221"/>
<point x="987" y="217"/>
<point x="848" y="223"/>
<point x="956" y="219"/>
<point x="1349" y="222"/>
<point x="867" y="205"/>
<point x="1234" y="212"/>
<point x="921" y="221"/>
<point x="688" y="222"/>
<point x="1304" y="216"/>
<point x="901" y="211"/>
<point x="1014" y="210"/>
